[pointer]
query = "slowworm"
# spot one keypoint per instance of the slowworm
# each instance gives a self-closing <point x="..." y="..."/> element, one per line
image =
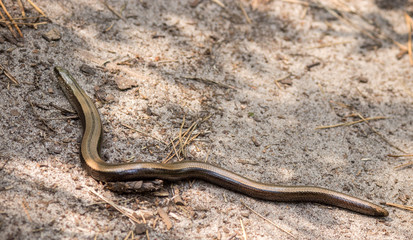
<point x="107" y="172"/>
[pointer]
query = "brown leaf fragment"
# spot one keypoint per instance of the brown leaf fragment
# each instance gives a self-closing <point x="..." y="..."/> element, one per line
<point x="144" y="214"/>
<point x="177" y="198"/>
<point x="161" y="193"/>
<point x="165" y="218"/>
<point x="287" y="81"/>
<point x="125" y="83"/>
<point x="195" y="3"/>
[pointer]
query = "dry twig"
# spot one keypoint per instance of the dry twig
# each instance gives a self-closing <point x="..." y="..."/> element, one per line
<point x="37" y="8"/>
<point x="244" y="234"/>
<point x="379" y="134"/>
<point x="278" y="80"/>
<point x="183" y="139"/>
<point x="244" y="12"/>
<point x="268" y="220"/>
<point x="144" y="221"/>
<point x="26" y="211"/>
<point x="12" y="21"/>
<point x="8" y="75"/>
<point x="8" y="25"/>
<point x="218" y="2"/>
<point x="408" y="208"/>
<point x="10" y="18"/>
<point x="298" y="2"/>
<point x="409" y="23"/>
<point x="125" y="211"/>
<point x="21" y="8"/>
<point x="351" y="123"/>
<point x="23" y="23"/>
<point x="208" y="81"/>
<point x="113" y="11"/>
<point x="329" y="44"/>
<point x="402" y="155"/>
<point x="404" y="165"/>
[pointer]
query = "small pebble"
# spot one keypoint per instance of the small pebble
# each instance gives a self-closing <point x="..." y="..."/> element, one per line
<point x="362" y="79"/>
<point x="87" y="69"/>
<point x="14" y="112"/>
<point x="140" y="228"/>
<point x="245" y="213"/>
<point x="52" y="35"/>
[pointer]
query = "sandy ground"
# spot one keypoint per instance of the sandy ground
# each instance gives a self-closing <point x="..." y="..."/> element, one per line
<point x="267" y="85"/>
